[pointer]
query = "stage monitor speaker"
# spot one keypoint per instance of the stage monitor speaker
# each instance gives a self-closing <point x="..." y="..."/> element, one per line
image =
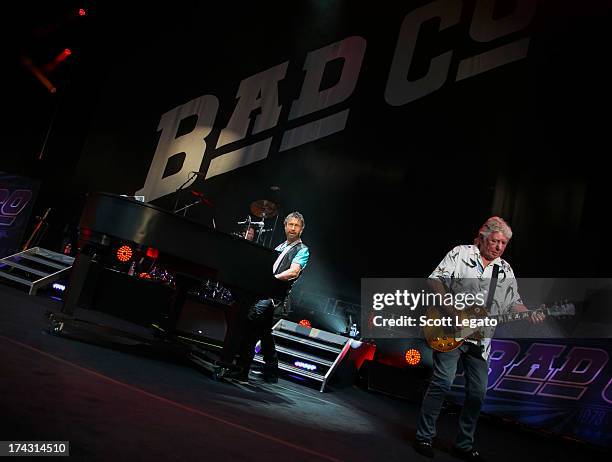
<point x="203" y="321"/>
<point x="407" y="383"/>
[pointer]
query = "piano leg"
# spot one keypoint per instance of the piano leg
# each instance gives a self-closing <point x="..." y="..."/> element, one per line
<point x="236" y="324"/>
<point x="78" y="276"/>
<point x="183" y="283"/>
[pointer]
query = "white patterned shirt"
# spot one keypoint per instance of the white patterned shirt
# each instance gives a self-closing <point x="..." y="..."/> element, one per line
<point x="462" y="270"/>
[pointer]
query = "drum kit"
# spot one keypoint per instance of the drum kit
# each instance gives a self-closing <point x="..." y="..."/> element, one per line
<point x="255" y="230"/>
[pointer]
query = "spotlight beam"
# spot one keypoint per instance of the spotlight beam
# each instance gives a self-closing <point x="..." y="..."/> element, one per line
<point x="27" y="62"/>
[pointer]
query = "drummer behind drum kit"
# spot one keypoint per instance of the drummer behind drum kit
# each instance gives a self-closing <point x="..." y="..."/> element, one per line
<point x="262" y="209"/>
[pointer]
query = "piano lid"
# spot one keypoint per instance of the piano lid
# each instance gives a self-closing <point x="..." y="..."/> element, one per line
<point x="237" y="261"/>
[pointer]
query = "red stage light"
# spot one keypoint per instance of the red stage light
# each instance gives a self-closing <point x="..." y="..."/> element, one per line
<point x="305" y="323"/>
<point x="152" y="253"/>
<point x="413" y="357"/>
<point x="124" y="253"/>
<point x="59" y="59"/>
<point x="82" y="12"/>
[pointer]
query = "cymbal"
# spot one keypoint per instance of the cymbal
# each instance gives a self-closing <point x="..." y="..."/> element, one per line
<point x="264" y="209"/>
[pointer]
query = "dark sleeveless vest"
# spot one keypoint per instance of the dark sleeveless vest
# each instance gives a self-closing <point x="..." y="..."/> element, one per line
<point x="285" y="263"/>
<point x="283" y="307"/>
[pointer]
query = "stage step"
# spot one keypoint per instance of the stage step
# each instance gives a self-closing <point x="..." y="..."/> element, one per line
<point x="35" y="267"/>
<point x="299" y="354"/>
<point x="307" y="352"/>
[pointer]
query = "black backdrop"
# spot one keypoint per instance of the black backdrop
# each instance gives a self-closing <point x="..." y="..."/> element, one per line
<point x="386" y="196"/>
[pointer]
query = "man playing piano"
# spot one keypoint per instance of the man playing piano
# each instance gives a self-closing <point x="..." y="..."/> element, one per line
<point x="288" y="266"/>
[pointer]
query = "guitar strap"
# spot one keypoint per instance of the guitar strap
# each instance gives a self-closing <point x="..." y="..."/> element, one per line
<point x="492" y="287"/>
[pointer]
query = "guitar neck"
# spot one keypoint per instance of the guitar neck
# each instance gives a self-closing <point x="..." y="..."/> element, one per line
<point x="507" y="317"/>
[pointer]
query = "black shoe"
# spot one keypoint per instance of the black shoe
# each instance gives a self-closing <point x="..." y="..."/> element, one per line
<point x="424" y="448"/>
<point x="237" y="376"/>
<point x="471" y="455"/>
<point x="270" y="373"/>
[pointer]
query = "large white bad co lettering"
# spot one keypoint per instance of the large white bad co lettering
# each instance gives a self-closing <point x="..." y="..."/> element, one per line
<point x="191" y="146"/>
<point x="351" y="51"/>
<point x="260" y="91"/>
<point x="255" y="92"/>
<point x="486" y="29"/>
<point x="399" y="89"/>
<point x="483" y="28"/>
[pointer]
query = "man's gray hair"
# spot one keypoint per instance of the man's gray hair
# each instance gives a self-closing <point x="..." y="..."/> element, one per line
<point x="493" y="225"/>
<point x="297" y="216"/>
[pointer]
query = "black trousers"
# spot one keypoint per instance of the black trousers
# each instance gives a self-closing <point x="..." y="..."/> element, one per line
<point x="259" y="327"/>
<point x="476" y="374"/>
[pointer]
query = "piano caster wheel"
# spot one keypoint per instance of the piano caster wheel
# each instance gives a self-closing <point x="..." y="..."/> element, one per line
<point x="56" y="327"/>
<point x="218" y="373"/>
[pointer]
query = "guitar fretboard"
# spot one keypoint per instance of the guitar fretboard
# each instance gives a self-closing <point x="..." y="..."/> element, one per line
<point x="512" y="316"/>
<point x="567" y="309"/>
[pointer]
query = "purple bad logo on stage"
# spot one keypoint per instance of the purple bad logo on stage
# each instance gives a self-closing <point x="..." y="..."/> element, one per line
<point x="564" y="387"/>
<point x="17" y="195"/>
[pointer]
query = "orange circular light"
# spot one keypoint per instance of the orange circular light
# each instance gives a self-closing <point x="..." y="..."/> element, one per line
<point x="413" y="357"/>
<point x="124" y="253"/>
<point x="305" y="323"/>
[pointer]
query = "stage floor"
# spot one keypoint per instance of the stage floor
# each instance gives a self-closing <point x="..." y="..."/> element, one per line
<point x="122" y="405"/>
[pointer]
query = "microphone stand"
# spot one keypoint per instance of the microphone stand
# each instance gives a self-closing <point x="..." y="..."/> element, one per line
<point x="178" y="193"/>
<point x="201" y="200"/>
<point x="274" y="227"/>
<point x="186" y="207"/>
<point x="35" y="236"/>
<point x="277" y="197"/>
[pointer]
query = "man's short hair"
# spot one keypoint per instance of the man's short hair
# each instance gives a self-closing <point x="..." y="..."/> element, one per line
<point x="297" y="216"/>
<point x="494" y="225"/>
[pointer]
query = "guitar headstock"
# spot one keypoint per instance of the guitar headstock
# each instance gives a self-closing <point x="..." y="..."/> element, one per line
<point x="560" y="308"/>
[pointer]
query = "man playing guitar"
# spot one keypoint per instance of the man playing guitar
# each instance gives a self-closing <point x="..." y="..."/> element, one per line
<point x="470" y="265"/>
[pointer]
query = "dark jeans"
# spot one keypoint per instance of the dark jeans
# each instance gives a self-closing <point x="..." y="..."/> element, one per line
<point x="259" y="327"/>
<point x="444" y="370"/>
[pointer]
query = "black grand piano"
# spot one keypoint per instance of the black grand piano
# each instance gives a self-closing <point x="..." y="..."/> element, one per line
<point x="121" y="240"/>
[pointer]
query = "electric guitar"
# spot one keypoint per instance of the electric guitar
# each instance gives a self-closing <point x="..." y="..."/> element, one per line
<point x="445" y="338"/>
